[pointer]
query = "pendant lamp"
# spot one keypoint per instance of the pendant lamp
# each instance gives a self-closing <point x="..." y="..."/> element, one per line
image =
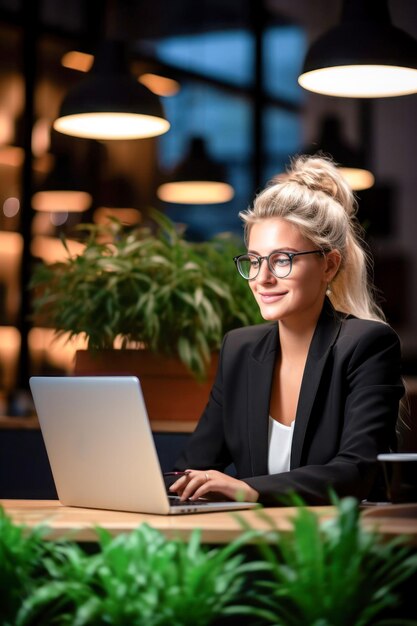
<point x="117" y="198"/>
<point x="365" y="56"/>
<point x="62" y="191"/>
<point x="197" y="179"/>
<point x="160" y="85"/>
<point x="349" y="160"/>
<point x="109" y="103"/>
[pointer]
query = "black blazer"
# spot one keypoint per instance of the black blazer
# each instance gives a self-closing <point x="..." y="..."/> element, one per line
<point x="346" y="413"/>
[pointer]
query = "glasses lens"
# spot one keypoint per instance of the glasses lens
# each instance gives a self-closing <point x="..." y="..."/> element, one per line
<point x="280" y="264"/>
<point x="248" y="266"/>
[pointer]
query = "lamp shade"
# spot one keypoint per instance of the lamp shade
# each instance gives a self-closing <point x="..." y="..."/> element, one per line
<point x="197" y="180"/>
<point x="365" y="56"/>
<point x="117" y="198"/>
<point x="62" y="191"/>
<point x="109" y="103"/>
<point x="349" y="160"/>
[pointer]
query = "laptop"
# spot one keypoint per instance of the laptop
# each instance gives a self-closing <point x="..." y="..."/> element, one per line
<point x="101" y="449"/>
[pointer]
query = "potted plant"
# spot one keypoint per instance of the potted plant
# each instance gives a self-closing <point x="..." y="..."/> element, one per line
<point x="331" y="573"/>
<point x="153" y="289"/>
<point x="137" y="578"/>
<point x="21" y="562"/>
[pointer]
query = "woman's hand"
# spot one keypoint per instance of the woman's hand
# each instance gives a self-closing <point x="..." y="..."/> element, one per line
<point x="200" y="483"/>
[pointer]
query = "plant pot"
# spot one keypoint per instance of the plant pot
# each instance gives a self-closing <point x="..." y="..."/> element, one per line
<point x="170" y="391"/>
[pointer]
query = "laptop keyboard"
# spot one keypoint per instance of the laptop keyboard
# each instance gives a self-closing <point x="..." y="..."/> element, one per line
<point x="175" y="501"/>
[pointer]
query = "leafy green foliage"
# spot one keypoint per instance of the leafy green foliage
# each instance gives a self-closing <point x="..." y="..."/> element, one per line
<point x="331" y="574"/>
<point x="138" y="579"/>
<point x="159" y="290"/>
<point x="21" y="556"/>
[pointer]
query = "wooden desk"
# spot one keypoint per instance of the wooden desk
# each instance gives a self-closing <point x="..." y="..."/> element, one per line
<point x="157" y="426"/>
<point x="78" y="523"/>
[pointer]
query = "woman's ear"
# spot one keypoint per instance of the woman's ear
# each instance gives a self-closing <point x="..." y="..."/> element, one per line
<point x="332" y="264"/>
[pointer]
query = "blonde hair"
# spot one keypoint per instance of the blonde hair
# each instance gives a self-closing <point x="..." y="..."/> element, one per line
<point x="315" y="197"/>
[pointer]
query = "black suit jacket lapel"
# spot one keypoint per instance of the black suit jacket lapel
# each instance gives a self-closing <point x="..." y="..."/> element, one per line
<point x="261" y="363"/>
<point x="327" y="330"/>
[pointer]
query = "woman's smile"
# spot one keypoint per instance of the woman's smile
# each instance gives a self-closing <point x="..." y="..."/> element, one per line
<point x="271" y="297"/>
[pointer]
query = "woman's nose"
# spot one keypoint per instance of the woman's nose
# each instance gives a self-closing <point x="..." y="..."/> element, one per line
<point x="265" y="274"/>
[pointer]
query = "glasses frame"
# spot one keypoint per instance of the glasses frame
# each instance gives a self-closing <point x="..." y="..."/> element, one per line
<point x="267" y="258"/>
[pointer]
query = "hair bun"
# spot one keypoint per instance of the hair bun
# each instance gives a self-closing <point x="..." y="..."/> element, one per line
<point x="319" y="173"/>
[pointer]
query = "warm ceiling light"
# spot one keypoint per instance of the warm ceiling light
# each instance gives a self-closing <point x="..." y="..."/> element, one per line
<point x="10" y="342"/>
<point x="61" y="201"/>
<point x="61" y="191"/>
<point x="357" y="178"/>
<point x="109" y="103"/>
<point x="79" y="61"/>
<point x="104" y="126"/>
<point x="361" y="81"/>
<point x="11" y="246"/>
<point x="41" y="136"/>
<point x="365" y="56"/>
<point x="195" y="192"/>
<point x="52" y="249"/>
<point x="332" y="142"/>
<point x="6" y="128"/>
<point x="197" y="180"/>
<point x="160" y="85"/>
<point x="13" y="156"/>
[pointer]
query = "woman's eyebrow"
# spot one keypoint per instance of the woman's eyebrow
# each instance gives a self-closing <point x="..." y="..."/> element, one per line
<point x="282" y="249"/>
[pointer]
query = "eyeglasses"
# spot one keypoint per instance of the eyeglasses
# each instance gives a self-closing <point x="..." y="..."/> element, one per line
<point x="279" y="263"/>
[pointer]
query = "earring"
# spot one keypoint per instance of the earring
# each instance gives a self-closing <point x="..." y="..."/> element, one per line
<point x="328" y="290"/>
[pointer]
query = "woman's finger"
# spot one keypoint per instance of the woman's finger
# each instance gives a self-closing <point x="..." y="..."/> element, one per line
<point x="179" y="484"/>
<point x="194" y="482"/>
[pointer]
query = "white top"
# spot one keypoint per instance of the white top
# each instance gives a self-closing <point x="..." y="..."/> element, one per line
<point x="279" y="446"/>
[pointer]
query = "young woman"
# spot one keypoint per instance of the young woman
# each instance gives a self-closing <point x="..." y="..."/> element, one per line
<point x="304" y="403"/>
